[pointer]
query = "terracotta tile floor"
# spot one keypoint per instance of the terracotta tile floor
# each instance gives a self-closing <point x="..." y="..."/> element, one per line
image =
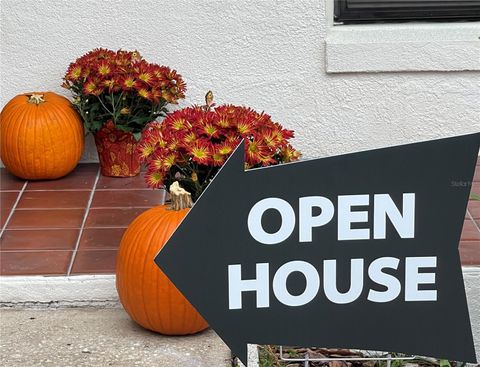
<point x="68" y="226"/>
<point x="74" y="225"/>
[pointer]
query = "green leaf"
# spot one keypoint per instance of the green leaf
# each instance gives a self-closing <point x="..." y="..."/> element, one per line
<point x="137" y="136"/>
<point x="125" y="128"/>
<point x="444" y="363"/>
<point x="474" y="196"/>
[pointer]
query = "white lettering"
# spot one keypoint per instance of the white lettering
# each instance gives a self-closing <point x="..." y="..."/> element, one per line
<point x="307" y="221"/>
<point x="280" y="283"/>
<point x="403" y="222"/>
<point x="346" y="217"/>
<point x="236" y="286"/>
<point x="255" y="221"/>
<point x="390" y="282"/>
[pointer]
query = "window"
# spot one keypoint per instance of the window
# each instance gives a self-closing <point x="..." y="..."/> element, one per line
<point x="362" y="11"/>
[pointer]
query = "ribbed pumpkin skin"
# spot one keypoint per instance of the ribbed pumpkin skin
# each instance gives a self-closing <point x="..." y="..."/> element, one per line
<point x="43" y="141"/>
<point x="146" y="293"/>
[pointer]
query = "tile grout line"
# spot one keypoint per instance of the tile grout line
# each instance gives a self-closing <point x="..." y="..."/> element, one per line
<point x="87" y="211"/>
<point x="63" y="228"/>
<point x="59" y="250"/>
<point x="83" y="189"/>
<point x="96" y="207"/>
<point x="10" y="214"/>
<point x="473" y="220"/>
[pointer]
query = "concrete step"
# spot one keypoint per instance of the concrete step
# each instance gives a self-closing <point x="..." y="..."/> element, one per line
<point x="99" y="337"/>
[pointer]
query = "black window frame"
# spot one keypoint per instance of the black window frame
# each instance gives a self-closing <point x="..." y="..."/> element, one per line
<point x="346" y="11"/>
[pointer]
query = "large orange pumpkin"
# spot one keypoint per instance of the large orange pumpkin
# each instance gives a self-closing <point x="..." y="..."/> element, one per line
<point x="41" y="136"/>
<point x="146" y="293"/>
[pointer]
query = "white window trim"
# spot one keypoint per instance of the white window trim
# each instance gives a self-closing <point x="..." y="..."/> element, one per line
<point x="396" y="47"/>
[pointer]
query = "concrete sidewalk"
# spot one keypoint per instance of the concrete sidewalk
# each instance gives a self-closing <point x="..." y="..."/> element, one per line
<point x="99" y="337"/>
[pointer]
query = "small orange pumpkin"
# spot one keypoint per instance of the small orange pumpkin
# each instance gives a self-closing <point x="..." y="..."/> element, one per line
<point x="41" y="136"/>
<point x="146" y="293"/>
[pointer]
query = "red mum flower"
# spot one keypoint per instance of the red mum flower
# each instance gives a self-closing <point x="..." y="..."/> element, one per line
<point x="104" y="68"/>
<point x="177" y="122"/>
<point x="154" y="178"/>
<point x="226" y="148"/>
<point x="74" y="72"/>
<point x="129" y="83"/>
<point x="145" y="93"/>
<point x="210" y="130"/>
<point x="146" y="77"/>
<point x="200" y="152"/>
<point x="145" y="149"/>
<point x="110" y="84"/>
<point x="287" y="134"/>
<point x="255" y="152"/>
<point x="189" y="138"/>
<point x="270" y="138"/>
<point x="218" y="159"/>
<point x="289" y="154"/>
<point x="244" y="128"/>
<point x="92" y="86"/>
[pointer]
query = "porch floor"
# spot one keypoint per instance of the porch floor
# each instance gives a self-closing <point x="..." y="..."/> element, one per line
<point x="68" y="226"/>
<point x="74" y="225"/>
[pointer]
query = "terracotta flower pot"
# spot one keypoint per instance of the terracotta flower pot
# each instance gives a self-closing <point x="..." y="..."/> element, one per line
<point x="116" y="152"/>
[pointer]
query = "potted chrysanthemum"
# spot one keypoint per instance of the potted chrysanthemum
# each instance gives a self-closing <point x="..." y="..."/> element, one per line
<point x="183" y="153"/>
<point x="191" y="144"/>
<point x="117" y="93"/>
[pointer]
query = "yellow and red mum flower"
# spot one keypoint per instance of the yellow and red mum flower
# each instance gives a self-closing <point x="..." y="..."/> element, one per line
<point x="289" y="154"/>
<point x="169" y="161"/>
<point x="252" y="152"/>
<point x="146" y="77"/>
<point x="74" y="73"/>
<point x="218" y="159"/>
<point x="225" y="148"/>
<point x="104" y="68"/>
<point x="270" y="138"/>
<point x="129" y="82"/>
<point x="90" y="86"/>
<point x="156" y="162"/>
<point x="200" y="153"/>
<point x="210" y="130"/>
<point x="223" y="122"/>
<point x="178" y="123"/>
<point x="109" y="83"/>
<point x="145" y="149"/>
<point x="287" y="134"/>
<point x="154" y="178"/>
<point x="190" y="138"/>
<point x="145" y="93"/>
<point x="244" y="128"/>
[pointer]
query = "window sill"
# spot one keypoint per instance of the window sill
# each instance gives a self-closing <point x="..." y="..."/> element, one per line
<point x="403" y="47"/>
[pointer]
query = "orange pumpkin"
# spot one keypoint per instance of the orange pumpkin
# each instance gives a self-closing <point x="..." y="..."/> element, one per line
<point x="146" y="293"/>
<point x="41" y="136"/>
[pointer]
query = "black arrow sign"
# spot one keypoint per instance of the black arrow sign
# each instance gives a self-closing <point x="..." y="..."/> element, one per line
<point x="411" y="301"/>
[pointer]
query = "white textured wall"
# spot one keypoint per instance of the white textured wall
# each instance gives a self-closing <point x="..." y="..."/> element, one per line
<point x="268" y="54"/>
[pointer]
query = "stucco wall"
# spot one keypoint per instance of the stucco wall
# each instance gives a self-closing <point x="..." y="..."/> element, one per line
<point x="268" y="54"/>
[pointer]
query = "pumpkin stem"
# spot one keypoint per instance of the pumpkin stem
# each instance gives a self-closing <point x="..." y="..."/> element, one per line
<point x="180" y="197"/>
<point x="36" y="98"/>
